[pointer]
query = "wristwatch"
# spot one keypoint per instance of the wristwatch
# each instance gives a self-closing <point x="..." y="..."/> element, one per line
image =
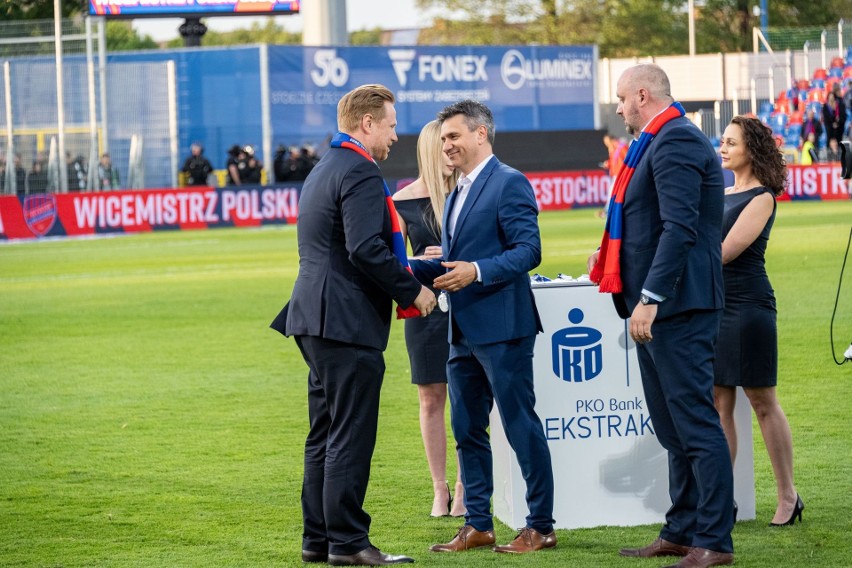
<point x="647" y="300"/>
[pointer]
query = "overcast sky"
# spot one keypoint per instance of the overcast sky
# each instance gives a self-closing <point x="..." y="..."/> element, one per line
<point x="360" y="14"/>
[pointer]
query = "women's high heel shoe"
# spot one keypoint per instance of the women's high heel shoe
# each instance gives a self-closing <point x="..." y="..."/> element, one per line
<point x="797" y="512"/>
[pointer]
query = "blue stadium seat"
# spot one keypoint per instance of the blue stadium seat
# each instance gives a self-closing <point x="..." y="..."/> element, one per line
<point x="766" y="107"/>
<point x="778" y="121"/>
<point x="836" y="72"/>
<point x="818" y="84"/>
<point x="815" y="106"/>
<point x="764" y="117"/>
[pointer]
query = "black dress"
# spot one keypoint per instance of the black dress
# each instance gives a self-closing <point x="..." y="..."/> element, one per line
<point x="747" y="348"/>
<point x="426" y="338"/>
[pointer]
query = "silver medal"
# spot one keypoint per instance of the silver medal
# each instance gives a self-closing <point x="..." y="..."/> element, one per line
<point x="443" y="302"/>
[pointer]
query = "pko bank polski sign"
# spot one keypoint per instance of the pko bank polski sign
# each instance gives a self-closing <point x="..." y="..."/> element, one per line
<point x="527" y="88"/>
<point x="608" y="466"/>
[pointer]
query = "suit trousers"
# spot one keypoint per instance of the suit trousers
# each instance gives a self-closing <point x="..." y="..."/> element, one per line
<point x="677" y="376"/>
<point x="479" y="375"/>
<point x="344" y="384"/>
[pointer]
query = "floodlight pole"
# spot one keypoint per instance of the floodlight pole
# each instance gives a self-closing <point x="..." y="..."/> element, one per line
<point x="60" y="99"/>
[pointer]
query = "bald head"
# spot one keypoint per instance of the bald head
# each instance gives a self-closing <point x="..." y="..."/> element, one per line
<point x="643" y="91"/>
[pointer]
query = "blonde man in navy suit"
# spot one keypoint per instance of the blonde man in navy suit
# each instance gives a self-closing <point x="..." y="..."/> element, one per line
<point x="340" y="314"/>
<point x="490" y="242"/>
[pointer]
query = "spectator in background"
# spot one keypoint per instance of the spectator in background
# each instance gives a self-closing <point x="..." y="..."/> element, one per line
<point x="20" y="176"/>
<point x="236" y="164"/>
<point x="834" y="115"/>
<point x="37" y="178"/>
<point x="108" y="178"/>
<point x="832" y="153"/>
<point x="77" y="172"/>
<point x="196" y="167"/>
<point x="811" y="124"/>
<point x="296" y="166"/>
<point x="250" y="173"/>
<point x="809" y="151"/>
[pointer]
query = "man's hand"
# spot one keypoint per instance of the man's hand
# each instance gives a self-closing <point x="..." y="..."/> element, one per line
<point x="593" y="260"/>
<point x="432" y="252"/>
<point x="461" y="274"/>
<point x="425" y="301"/>
<point x="640" y="322"/>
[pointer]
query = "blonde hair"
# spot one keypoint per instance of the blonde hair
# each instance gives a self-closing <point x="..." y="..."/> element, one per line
<point x="363" y="100"/>
<point x="430" y="163"/>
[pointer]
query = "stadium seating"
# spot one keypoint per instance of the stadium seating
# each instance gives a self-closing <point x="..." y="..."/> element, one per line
<point x="785" y="117"/>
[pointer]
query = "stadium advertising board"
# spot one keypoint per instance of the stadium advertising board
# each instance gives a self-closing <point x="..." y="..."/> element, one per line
<point x="74" y="214"/>
<point x="527" y="88"/>
<point x="190" y="8"/>
<point x="69" y="214"/>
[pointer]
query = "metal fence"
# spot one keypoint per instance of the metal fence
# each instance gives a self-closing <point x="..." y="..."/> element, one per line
<point x="104" y="106"/>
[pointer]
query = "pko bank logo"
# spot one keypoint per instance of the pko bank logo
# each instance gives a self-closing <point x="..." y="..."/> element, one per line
<point x="516" y="70"/>
<point x="329" y="69"/>
<point x="39" y="213"/>
<point x="577" y="353"/>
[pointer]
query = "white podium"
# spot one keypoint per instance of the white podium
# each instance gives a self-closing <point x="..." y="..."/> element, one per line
<point x="608" y="467"/>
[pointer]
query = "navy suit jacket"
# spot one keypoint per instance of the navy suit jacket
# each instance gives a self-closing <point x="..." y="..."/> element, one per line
<point x="347" y="270"/>
<point x="672" y="235"/>
<point x="498" y="228"/>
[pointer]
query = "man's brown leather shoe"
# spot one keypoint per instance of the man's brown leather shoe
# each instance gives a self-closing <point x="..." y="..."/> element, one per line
<point x="659" y="547"/>
<point x="467" y="538"/>
<point x="528" y="540"/>
<point x="370" y="556"/>
<point x="703" y="558"/>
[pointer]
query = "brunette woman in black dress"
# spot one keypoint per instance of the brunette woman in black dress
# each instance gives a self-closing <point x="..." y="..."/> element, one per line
<point x="747" y="348"/>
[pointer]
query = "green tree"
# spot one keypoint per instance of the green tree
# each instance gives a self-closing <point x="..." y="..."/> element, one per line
<point x="268" y="32"/>
<point x="120" y="36"/>
<point x="36" y="9"/>
<point x="621" y="28"/>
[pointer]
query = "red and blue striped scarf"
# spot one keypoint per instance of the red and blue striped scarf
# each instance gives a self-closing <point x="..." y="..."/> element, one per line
<point x="343" y="140"/>
<point x="607" y="271"/>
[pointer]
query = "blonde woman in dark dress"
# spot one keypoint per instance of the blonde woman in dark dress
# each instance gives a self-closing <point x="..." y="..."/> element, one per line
<point x="420" y="207"/>
<point x="747" y="348"/>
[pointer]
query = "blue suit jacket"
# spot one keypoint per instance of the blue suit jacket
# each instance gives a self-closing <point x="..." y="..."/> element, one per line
<point x="672" y="239"/>
<point x="498" y="228"/>
<point x="347" y="270"/>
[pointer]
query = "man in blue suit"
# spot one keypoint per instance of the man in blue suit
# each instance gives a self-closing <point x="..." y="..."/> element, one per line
<point x="671" y="275"/>
<point x="340" y="314"/>
<point x="491" y="241"/>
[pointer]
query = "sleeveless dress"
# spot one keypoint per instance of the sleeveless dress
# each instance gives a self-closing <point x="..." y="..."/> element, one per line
<point x="426" y="338"/>
<point x="747" y="348"/>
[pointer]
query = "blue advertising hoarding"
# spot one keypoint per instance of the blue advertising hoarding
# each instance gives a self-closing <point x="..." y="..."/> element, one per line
<point x="527" y="88"/>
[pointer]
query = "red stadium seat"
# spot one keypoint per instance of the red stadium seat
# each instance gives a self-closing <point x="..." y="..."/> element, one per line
<point x="817" y="95"/>
<point x="847" y="72"/>
<point x="836" y="62"/>
<point x="796" y="117"/>
<point x="803" y="84"/>
<point x="820" y="73"/>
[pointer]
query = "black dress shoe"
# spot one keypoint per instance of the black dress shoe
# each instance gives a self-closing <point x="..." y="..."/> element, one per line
<point x="370" y="556"/>
<point x="313" y="556"/>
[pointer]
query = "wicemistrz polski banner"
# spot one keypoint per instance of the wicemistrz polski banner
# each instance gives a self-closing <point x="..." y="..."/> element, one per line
<point x="70" y="214"/>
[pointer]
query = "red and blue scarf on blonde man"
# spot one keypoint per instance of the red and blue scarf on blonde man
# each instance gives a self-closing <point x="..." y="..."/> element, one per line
<point x="342" y="140"/>
<point x="607" y="271"/>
